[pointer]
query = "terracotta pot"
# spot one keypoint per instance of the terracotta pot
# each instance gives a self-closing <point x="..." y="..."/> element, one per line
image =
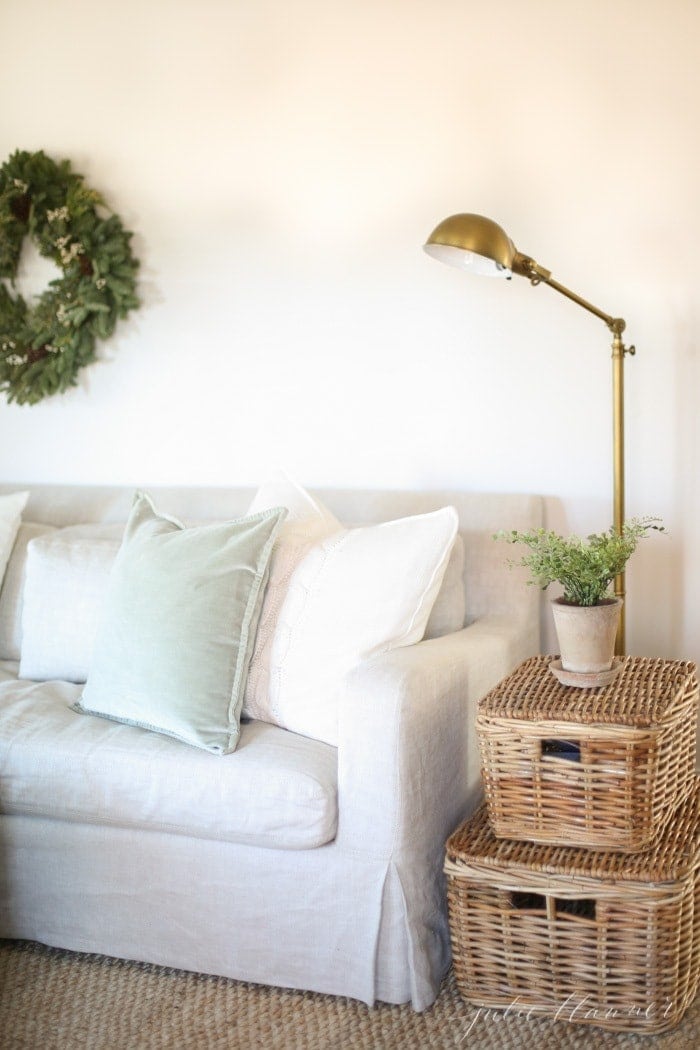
<point x="586" y="634"/>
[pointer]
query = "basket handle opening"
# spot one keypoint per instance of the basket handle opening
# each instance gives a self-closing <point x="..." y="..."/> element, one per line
<point x="579" y="907"/>
<point x="568" y="750"/>
<point x="528" y="901"/>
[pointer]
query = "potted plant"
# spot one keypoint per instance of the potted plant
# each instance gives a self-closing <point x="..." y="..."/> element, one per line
<point x="586" y="616"/>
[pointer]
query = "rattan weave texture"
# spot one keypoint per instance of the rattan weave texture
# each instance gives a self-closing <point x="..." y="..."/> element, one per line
<point x="603" y="938"/>
<point x="605" y="768"/>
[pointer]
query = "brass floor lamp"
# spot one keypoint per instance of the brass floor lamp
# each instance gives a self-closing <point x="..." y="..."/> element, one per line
<point x="479" y="245"/>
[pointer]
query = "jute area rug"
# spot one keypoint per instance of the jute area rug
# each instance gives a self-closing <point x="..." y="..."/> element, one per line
<point x="51" y="999"/>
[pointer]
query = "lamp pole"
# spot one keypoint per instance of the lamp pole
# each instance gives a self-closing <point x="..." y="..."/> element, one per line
<point x="618" y="363"/>
<point x="527" y="267"/>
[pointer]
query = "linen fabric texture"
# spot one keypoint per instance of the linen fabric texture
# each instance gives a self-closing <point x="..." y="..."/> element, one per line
<point x="340" y="596"/>
<point x="175" y="642"/>
<point x="66" y="582"/>
<point x="450" y="609"/>
<point x="11" y="507"/>
<point x="363" y="916"/>
<point x="307" y="522"/>
<point x="12" y="593"/>
<point x="278" y="792"/>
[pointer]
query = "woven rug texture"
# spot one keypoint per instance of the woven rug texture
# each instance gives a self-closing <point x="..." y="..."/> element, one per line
<point x="52" y="999"/>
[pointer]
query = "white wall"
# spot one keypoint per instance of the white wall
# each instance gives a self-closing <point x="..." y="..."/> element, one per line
<point x="282" y="161"/>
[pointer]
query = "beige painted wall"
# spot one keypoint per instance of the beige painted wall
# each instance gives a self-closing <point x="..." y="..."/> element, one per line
<point x="281" y="163"/>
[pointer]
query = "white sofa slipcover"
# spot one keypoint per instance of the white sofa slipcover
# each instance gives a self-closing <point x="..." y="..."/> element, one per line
<point x="289" y="862"/>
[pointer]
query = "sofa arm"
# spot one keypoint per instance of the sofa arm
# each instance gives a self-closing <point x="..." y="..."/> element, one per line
<point x="408" y="757"/>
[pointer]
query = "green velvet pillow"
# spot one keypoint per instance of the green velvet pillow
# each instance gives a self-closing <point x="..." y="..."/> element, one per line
<point x="181" y="613"/>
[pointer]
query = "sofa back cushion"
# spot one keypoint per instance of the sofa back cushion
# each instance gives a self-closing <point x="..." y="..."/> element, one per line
<point x="450" y="609"/>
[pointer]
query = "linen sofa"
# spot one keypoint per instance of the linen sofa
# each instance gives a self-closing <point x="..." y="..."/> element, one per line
<point x="290" y="862"/>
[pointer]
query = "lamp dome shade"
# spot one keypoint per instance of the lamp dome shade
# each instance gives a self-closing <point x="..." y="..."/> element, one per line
<point x="472" y="242"/>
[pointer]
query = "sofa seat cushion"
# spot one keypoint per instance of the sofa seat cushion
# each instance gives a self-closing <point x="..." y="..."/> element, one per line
<point x="277" y="790"/>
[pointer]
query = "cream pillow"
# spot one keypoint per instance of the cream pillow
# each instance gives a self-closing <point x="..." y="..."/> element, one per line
<point x="12" y="594"/>
<point x="353" y="593"/>
<point x="11" y="508"/>
<point x="66" y="580"/>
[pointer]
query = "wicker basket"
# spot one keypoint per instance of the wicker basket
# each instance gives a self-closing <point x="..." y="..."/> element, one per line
<point x="599" y="938"/>
<point x="602" y="768"/>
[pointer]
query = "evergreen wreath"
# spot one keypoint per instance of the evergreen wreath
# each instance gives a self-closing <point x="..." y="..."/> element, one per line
<point x="45" y="344"/>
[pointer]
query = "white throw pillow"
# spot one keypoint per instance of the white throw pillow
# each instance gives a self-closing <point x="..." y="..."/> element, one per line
<point x="12" y="594"/>
<point x="66" y="580"/>
<point x="11" y="508"/>
<point x="307" y="523"/>
<point x="353" y="593"/>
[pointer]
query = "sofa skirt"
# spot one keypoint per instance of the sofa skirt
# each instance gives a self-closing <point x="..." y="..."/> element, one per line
<point x="327" y="920"/>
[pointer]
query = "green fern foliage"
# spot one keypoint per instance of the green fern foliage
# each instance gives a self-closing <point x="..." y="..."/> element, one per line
<point x="585" y="568"/>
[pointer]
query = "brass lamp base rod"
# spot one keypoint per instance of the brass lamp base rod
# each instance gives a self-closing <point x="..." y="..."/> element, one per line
<point x="527" y="267"/>
<point x="618" y="364"/>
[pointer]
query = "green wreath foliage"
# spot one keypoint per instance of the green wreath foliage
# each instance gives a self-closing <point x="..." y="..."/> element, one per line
<point x="43" y="345"/>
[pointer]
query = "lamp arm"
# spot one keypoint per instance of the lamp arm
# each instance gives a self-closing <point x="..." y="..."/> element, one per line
<point x="615" y="324"/>
<point x="536" y="274"/>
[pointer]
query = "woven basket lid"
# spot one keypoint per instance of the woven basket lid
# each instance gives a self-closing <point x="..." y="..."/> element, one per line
<point x="645" y="693"/>
<point x="673" y="858"/>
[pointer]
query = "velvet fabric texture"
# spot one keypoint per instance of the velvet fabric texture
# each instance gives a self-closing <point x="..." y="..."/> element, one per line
<point x="174" y="646"/>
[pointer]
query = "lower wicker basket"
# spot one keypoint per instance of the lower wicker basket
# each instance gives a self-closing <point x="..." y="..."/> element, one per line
<point x="601" y="938"/>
